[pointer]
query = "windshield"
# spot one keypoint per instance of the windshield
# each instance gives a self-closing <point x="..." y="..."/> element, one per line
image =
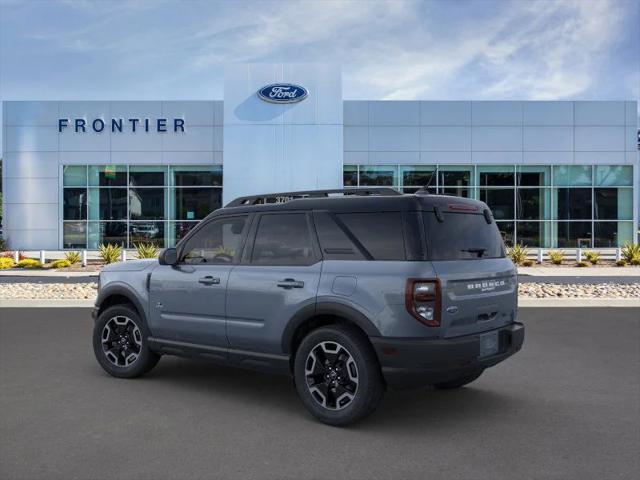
<point x="462" y="236"/>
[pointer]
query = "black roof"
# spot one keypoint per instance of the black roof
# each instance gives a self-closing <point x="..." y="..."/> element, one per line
<point x="366" y="200"/>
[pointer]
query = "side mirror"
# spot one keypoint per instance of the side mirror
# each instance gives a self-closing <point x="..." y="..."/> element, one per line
<point x="168" y="256"/>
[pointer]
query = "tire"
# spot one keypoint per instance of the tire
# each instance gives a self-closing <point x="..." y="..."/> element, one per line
<point x="127" y="334"/>
<point x="346" y="389"/>
<point x="458" y="382"/>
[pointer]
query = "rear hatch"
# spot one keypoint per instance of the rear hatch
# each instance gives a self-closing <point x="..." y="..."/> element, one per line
<point x="478" y="283"/>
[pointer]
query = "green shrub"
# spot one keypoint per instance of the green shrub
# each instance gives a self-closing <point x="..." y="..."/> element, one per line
<point x="592" y="256"/>
<point x="110" y="253"/>
<point x="3" y="244"/>
<point x="61" y="263"/>
<point x="556" y="256"/>
<point x="29" y="263"/>
<point x="6" y="262"/>
<point x="527" y="263"/>
<point x="73" y="257"/>
<point x="582" y="263"/>
<point x="517" y="254"/>
<point x="147" y="250"/>
<point x="621" y="263"/>
<point x="631" y="253"/>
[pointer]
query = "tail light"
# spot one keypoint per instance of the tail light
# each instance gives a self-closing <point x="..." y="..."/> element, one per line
<point x="422" y="299"/>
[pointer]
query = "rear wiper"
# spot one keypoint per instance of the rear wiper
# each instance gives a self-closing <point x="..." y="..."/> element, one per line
<point x="479" y="251"/>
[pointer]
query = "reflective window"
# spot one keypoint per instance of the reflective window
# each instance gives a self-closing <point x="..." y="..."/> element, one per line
<point x="417" y="176"/>
<point x="496" y="176"/>
<point x="147" y="176"/>
<point x="455" y="191"/>
<point x="500" y="201"/>
<point x="534" y="234"/>
<point x="195" y="203"/>
<point x="74" y="235"/>
<point x="613" y="203"/>
<point x="506" y="230"/>
<point x="74" y="204"/>
<point x="197" y="176"/>
<point x="378" y="175"/>
<point x="217" y="242"/>
<point x="283" y="239"/>
<point x="572" y="175"/>
<point x="574" y="234"/>
<point x="350" y="176"/>
<point x="146" y="232"/>
<point x="74" y="175"/>
<point x="107" y="232"/>
<point x="454" y="175"/>
<point x="334" y="242"/>
<point x="614" y="175"/>
<point x="573" y="203"/>
<point x="107" y="175"/>
<point x="146" y="203"/>
<point x="533" y="203"/>
<point x="533" y="176"/>
<point x="112" y="203"/>
<point x="612" y="234"/>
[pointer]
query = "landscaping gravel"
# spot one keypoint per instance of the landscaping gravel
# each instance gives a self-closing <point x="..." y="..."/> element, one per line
<point x="88" y="290"/>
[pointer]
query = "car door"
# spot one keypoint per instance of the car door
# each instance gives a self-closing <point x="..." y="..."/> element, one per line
<point x="187" y="300"/>
<point x="279" y="275"/>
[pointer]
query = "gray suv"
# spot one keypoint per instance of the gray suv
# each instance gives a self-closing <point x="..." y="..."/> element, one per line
<point x="350" y="292"/>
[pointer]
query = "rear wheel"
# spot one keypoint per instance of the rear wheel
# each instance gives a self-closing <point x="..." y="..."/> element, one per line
<point x="458" y="382"/>
<point x="120" y="343"/>
<point x="337" y="375"/>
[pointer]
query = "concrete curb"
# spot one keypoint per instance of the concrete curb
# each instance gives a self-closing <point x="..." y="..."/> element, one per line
<point x="44" y="303"/>
<point x="578" y="302"/>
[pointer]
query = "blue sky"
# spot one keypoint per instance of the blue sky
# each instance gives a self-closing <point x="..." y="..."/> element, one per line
<point x="154" y="49"/>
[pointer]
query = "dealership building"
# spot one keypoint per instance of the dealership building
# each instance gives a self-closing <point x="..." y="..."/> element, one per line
<point x="79" y="173"/>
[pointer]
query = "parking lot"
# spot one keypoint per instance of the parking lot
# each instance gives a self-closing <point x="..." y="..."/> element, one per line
<point x="567" y="406"/>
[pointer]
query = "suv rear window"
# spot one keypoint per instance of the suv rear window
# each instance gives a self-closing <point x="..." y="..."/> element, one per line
<point x="462" y="236"/>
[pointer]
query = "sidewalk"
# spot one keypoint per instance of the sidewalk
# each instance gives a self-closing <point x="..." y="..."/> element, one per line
<point x="580" y="272"/>
<point x="26" y="273"/>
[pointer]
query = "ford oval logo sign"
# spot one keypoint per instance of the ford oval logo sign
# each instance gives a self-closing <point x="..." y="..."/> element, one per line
<point x="283" y="93"/>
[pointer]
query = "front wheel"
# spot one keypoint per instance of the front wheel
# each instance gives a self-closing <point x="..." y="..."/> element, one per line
<point x="120" y="343"/>
<point x="337" y="375"/>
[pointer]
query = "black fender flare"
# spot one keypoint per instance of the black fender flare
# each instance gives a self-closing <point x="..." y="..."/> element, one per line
<point x="337" y="309"/>
<point x="124" y="290"/>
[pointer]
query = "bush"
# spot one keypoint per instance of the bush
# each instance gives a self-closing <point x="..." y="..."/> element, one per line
<point x="582" y="263"/>
<point x="110" y="253"/>
<point x="6" y="263"/>
<point x="556" y="256"/>
<point x="527" y="263"/>
<point x="621" y="263"/>
<point x="147" y="250"/>
<point x="592" y="256"/>
<point x="29" y="263"/>
<point x="631" y="253"/>
<point x="73" y="257"/>
<point x="10" y="254"/>
<point x="61" y="263"/>
<point x="517" y="254"/>
<point x="3" y="243"/>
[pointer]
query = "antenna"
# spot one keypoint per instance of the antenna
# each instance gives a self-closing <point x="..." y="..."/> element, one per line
<point x="426" y="187"/>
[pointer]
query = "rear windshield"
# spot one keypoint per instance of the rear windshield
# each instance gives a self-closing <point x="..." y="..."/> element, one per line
<point x="462" y="236"/>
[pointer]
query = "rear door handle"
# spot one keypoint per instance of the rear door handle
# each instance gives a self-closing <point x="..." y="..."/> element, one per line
<point x="209" y="280"/>
<point x="290" y="283"/>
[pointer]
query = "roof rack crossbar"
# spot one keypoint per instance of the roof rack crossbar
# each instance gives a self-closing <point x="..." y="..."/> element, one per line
<point x="284" y="197"/>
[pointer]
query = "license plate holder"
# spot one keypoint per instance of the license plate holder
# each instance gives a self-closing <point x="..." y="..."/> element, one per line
<point x="489" y="344"/>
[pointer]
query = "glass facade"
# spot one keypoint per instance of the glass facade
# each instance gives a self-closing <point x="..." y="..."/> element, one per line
<point x="128" y="205"/>
<point x="549" y="206"/>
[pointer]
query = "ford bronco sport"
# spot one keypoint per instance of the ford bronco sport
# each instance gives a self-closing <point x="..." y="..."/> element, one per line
<point x="350" y="292"/>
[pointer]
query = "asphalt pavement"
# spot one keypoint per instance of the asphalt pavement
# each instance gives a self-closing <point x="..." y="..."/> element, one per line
<point x="567" y="406"/>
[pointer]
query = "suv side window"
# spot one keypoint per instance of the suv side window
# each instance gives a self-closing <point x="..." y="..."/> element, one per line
<point x="335" y="243"/>
<point x="217" y="242"/>
<point x="283" y="239"/>
<point x="379" y="232"/>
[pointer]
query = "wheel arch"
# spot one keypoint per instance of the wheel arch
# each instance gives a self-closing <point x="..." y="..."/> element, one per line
<point x="119" y="294"/>
<point x="322" y="314"/>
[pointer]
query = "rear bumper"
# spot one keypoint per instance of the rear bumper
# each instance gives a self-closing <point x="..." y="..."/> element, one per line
<point x="417" y="362"/>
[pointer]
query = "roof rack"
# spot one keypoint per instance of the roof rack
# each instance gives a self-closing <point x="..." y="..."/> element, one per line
<point x="288" y="196"/>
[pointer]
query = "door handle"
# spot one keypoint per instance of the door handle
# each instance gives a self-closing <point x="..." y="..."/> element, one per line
<point x="290" y="283"/>
<point x="209" y="280"/>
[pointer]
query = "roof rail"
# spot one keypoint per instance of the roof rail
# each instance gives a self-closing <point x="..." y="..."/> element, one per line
<point x="288" y="196"/>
